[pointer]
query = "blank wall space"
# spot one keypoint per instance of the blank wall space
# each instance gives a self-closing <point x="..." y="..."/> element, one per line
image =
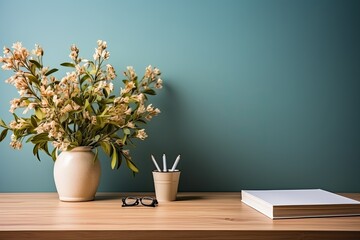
<point x="257" y="94"/>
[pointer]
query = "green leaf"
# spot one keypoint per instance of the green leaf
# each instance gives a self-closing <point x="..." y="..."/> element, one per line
<point x="131" y="165"/>
<point x="124" y="139"/>
<point x="45" y="148"/>
<point x="87" y="104"/>
<point x="64" y="117"/>
<point x="126" y="131"/>
<point x="53" y="154"/>
<point x="96" y="155"/>
<point x="2" y="123"/>
<point x="79" y="137"/>
<point x="83" y="79"/>
<point x="91" y="63"/>
<point x="36" y="63"/>
<point x="106" y="93"/>
<point x="51" y="71"/>
<point x="33" y="69"/>
<point x="36" y="148"/>
<point x="78" y="101"/>
<point x="149" y="91"/>
<point x="32" y="78"/>
<point x="42" y="137"/>
<point x="36" y="151"/>
<point x="33" y="121"/>
<point x="114" y="157"/>
<point x="96" y="138"/>
<point x="100" y="122"/>
<point x="39" y="114"/>
<point x="106" y="147"/>
<point x="67" y="64"/>
<point x="38" y="156"/>
<point x="119" y="159"/>
<point x="16" y="117"/>
<point x="142" y="121"/>
<point x="3" y="134"/>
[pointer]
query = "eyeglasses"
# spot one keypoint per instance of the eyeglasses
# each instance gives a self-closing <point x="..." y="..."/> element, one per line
<point x="134" y="201"/>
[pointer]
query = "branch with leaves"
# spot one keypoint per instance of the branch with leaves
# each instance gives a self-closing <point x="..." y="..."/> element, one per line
<point x="79" y="109"/>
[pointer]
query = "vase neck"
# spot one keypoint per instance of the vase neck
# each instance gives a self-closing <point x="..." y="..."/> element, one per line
<point x="81" y="149"/>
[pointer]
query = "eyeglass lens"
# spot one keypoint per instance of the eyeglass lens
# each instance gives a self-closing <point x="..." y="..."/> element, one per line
<point x="133" y="201"/>
<point x="148" y="201"/>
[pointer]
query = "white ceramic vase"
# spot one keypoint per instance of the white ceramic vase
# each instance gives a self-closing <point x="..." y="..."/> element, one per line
<point x="77" y="175"/>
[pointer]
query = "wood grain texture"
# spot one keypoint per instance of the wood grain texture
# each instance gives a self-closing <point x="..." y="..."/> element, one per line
<point x="193" y="216"/>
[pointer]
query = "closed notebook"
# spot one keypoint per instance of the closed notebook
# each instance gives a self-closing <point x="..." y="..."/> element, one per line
<point x="278" y="204"/>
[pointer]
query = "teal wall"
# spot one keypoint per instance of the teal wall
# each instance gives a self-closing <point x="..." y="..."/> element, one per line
<point x="258" y="94"/>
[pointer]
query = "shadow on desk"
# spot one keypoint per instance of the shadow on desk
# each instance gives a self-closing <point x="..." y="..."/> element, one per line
<point x="107" y="197"/>
<point x="116" y="196"/>
<point x="189" y="198"/>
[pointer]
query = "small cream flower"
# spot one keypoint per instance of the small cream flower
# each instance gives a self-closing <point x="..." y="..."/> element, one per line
<point x="6" y="50"/>
<point x="86" y="115"/>
<point x="130" y="85"/>
<point x="44" y="80"/>
<point x="141" y="109"/>
<point x="139" y="98"/>
<point x="73" y="55"/>
<point x="105" y="55"/>
<point x="158" y="84"/>
<point x="101" y="44"/>
<point x="16" y="144"/>
<point x="66" y="109"/>
<point x="131" y="72"/>
<point x="38" y="51"/>
<point x="73" y="48"/>
<point x="156" y="71"/>
<point x="15" y="103"/>
<point x="110" y="71"/>
<point x="13" y="124"/>
<point x="7" y="66"/>
<point x="30" y="106"/>
<point x="97" y="54"/>
<point x="141" y="134"/>
<point x="93" y="120"/>
<point x="56" y="100"/>
<point x="150" y="108"/>
<point x="130" y="125"/>
<point x="17" y="46"/>
<point x="128" y="111"/>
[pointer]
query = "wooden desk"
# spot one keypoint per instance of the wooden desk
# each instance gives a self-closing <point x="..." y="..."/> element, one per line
<point x="193" y="216"/>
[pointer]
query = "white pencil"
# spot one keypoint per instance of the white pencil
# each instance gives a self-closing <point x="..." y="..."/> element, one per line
<point x="164" y="163"/>
<point x="175" y="164"/>
<point x="155" y="163"/>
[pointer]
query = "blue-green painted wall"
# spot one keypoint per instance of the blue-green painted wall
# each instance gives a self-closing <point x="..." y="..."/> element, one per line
<point x="258" y="94"/>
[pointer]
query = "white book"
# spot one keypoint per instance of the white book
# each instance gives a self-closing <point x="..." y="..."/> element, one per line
<point x="278" y="204"/>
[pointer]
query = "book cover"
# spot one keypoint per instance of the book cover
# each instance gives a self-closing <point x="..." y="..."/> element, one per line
<point x="302" y="203"/>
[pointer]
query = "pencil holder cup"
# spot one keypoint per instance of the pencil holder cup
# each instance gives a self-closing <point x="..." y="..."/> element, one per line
<point x="166" y="185"/>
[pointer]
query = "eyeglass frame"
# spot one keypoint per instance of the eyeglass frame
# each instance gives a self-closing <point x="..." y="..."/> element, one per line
<point x="139" y="200"/>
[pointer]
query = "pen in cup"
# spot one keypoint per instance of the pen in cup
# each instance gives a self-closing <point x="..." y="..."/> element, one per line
<point x="173" y="168"/>
<point x="175" y="164"/>
<point x="164" y="163"/>
<point x="155" y="163"/>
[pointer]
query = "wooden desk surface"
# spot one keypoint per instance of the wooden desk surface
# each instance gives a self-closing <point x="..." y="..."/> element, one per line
<point x="193" y="216"/>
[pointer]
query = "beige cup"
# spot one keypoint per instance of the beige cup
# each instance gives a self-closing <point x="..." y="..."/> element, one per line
<point x="166" y="185"/>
